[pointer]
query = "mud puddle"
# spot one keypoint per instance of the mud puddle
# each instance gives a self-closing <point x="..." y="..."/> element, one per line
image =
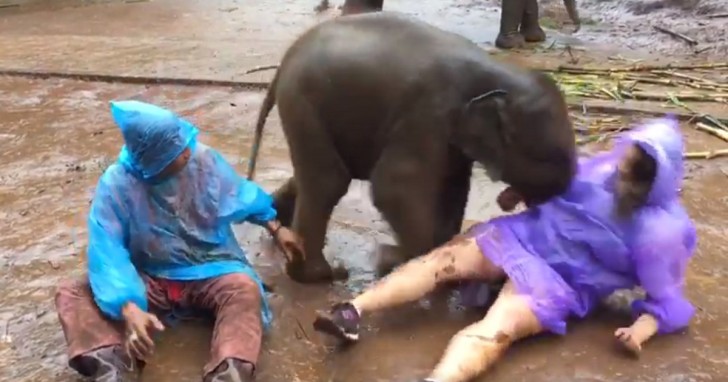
<point x="56" y="139"/>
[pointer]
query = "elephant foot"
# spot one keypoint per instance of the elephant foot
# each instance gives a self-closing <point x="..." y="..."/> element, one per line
<point x="389" y="257"/>
<point x="510" y="41"/>
<point x="323" y="5"/>
<point x="533" y="34"/>
<point x="315" y="272"/>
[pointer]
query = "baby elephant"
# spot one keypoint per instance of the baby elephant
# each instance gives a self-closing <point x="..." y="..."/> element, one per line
<point x="409" y="107"/>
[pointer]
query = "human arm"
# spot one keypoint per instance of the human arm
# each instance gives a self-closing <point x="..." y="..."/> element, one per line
<point x="114" y="280"/>
<point x="240" y="200"/>
<point x="243" y="200"/>
<point x="116" y="285"/>
<point x="660" y="259"/>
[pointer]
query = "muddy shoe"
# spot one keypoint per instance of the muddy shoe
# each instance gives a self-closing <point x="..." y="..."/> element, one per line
<point x="107" y="364"/>
<point x="231" y="370"/>
<point x="342" y="322"/>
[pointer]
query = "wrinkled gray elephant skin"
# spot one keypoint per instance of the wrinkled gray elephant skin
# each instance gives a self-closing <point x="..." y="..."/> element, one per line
<point x="409" y="107"/>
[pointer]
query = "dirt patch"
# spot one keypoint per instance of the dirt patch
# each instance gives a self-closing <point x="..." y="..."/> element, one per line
<point x="631" y="24"/>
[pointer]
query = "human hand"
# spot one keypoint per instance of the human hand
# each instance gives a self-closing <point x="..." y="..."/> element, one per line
<point x="627" y="338"/>
<point x="139" y="323"/>
<point x="290" y="243"/>
<point x="508" y="199"/>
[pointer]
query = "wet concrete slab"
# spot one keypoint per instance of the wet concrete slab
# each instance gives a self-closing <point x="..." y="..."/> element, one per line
<point x="57" y="137"/>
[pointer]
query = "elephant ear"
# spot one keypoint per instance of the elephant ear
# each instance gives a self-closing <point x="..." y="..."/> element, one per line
<point x="494" y="102"/>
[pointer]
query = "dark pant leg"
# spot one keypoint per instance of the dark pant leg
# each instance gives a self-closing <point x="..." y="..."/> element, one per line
<point x="236" y="302"/>
<point x="85" y="327"/>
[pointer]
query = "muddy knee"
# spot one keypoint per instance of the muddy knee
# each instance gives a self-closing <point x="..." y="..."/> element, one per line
<point x="239" y="283"/>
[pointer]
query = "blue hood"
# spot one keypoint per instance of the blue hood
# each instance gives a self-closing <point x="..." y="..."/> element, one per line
<point x="153" y="136"/>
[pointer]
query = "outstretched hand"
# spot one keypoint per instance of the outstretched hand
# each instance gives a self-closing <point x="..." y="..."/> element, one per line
<point x="290" y="243"/>
<point x="139" y="327"/>
<point x="626" y="337"/>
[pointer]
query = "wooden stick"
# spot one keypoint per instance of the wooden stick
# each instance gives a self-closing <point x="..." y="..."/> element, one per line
<point x="706" y="154"/>
<point x="261" y="68"/>
<point x="712" y="130"/>
<point x="676" y="35"/>
<point x="687" y="77"/>
<point x="643" y="95"/>
<point x="611" y="107"/>
<point x="636" y="68"/>
<point x="718" y="15"/>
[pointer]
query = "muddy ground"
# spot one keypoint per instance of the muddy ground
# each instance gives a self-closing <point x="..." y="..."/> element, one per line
<point x="56" y="138"/>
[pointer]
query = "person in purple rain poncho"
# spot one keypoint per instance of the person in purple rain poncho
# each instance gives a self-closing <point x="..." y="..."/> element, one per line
<point x="619" y="225"/>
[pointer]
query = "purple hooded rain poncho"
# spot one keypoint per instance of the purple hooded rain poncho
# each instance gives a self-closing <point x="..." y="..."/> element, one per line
<point x="569" y="253"/>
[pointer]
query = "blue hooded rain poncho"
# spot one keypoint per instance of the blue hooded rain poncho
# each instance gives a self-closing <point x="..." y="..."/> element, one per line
<point x="568" y="254"/>
<point x="178" y="228"/>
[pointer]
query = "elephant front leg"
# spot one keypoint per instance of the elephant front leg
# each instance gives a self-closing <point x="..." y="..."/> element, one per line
<point x="351" y="7"/>
<point x="511" y="15"/>
<point x="530" y="28"/>
<point x="453" y="198"/>
<point x="409" y="204"/>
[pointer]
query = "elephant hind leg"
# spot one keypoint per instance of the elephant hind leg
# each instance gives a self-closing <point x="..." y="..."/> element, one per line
<point x="284" y="199"/>
<point x="320" y="180"/>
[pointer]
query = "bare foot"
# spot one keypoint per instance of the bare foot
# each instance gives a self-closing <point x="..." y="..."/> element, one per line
<point x="626" y="337"/>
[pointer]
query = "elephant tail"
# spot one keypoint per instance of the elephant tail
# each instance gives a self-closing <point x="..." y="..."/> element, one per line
<point x="573" y="13"/>
<point x="268" y="102"/>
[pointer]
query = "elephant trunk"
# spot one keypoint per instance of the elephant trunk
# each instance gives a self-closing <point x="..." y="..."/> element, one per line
<point x="573" y="13"/>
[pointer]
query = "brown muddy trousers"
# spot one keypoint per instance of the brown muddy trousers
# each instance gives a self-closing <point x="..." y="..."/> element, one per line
<point x="234" y="300"/>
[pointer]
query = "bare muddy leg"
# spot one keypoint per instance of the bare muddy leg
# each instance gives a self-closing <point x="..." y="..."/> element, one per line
<point x="457" y="260"/>
<point x="474" y="349"/>
<point x="236" y="337"/>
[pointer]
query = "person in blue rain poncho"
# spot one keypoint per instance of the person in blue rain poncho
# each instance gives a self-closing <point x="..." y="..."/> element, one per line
<point x="619" y="225"/>
<point x="160" y="240"/>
